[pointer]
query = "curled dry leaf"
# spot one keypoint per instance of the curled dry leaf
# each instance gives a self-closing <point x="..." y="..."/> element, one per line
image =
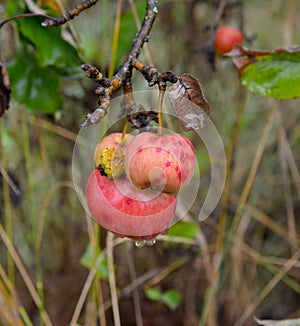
<point x="5" y="90"/>
<point x="189" y="103"/>
<point x="284" y="322"/>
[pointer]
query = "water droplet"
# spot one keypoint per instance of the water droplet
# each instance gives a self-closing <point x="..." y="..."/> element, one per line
<point x="140" y="244"/>
<point x="150" y="242"/>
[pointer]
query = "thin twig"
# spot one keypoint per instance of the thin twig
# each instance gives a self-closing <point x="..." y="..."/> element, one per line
<point x="125" y="69"/>
<point x="69" y="14"/>
<point x="22" y="16"/>
<point x="138" y="25"/>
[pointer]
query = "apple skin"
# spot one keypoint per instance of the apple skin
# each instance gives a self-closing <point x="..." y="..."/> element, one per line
<point x="128" y="211"/>
<point x="164" y="162"/>
<point x="226" y="37"/>
<point x="112" y="140"/>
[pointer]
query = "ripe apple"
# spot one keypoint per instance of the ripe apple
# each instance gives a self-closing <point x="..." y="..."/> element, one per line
<point x="226" y="37"/>
<point x="163" y="162"/>
<point x="122" y="208"/>
<point x="110" y="153"/>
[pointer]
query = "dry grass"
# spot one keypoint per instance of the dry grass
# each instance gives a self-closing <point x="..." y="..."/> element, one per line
<point x="244" y="261"/>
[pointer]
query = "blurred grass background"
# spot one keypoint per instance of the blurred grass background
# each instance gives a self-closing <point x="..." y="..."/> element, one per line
<point x="241" y="262"/>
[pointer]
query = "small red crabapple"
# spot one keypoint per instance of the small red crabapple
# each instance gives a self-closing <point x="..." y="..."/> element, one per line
<point x="164" y="162"/>
<point x="126" y="210"/>
<point x="226" y="37"/>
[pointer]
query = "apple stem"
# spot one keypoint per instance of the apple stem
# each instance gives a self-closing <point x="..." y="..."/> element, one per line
<point x="125" y="128"/>
<point x="160" y="108"/>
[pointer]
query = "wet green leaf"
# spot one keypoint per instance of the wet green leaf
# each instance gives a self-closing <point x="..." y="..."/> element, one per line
<point x="153" y="294"/>
<point x="50" y="48"/>
<point x="171" y="298"/>
<point x="184" y="229"/>
<point x="275" y="76"/>
<point x="14" y="7"/>
<point x="269" y="73"/>
<point x="34" y="86"/>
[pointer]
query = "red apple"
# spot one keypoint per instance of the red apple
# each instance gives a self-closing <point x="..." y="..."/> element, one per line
<point x="226" y="37"/>
<point x="110" y="153"/>
<point x="122" y="208"/>
<point x="163" y="162"/>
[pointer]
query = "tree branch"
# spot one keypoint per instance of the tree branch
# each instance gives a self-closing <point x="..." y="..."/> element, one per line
<point x="125" y="70"/>
<point x="69" y="14"/>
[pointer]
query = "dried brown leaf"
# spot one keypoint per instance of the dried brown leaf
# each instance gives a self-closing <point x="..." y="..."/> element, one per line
<point x="284" y="322"/>
<point x="189" y="103"/>
<point x="5" y="90"/>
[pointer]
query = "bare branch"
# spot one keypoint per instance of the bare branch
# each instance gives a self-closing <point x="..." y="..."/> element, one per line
<point x="125" y="71"/>
<point x="22" y="16"/>
<point x="69" y="14"/>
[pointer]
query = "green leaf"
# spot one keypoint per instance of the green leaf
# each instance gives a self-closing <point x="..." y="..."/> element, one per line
<point x="14" y="7"/>
<point x="50" y="48"/>
<point x="153" y="294"/>
<point x="276" y="75"/>
<point x="36" y="87"/>
<point x="171" y="298"/>
<point x="184" y="229"/>
<point x="269" y="73"/>
<point x="87" y="260"/>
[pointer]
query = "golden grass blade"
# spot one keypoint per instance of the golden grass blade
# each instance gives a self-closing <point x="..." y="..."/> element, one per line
<point x="25" y="276"/>
<point x="112" y="279"/>
<point x="268" y="288"/>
